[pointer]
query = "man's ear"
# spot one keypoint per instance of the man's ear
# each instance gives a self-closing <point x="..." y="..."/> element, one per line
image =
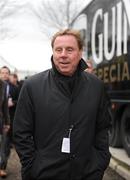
<point x="81" y="53"/>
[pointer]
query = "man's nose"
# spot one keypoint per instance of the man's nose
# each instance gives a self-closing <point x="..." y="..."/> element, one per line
<point x="64" y="52"/>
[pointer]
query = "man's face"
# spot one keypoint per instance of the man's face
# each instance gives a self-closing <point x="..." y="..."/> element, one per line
<point x="13" y="79"/>
<point x="66" y="54"/>
<point x="4" y="74"/>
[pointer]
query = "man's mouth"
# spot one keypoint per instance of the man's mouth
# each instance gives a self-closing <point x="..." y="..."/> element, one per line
<point x="64" y="63"/>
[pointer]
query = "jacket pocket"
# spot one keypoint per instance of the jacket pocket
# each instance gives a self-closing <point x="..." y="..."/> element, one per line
<point x="47" y="165"/>
<point x="34" y="171"/>
<point x="96" y="166"/>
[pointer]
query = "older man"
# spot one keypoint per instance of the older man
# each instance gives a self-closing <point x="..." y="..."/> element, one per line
<point x="61" y="123"/>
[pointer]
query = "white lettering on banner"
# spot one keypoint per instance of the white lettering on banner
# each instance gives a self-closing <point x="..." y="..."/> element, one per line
<point x="109" y="55"/>
<point x="125" y="34"/>
<point x="119" y="28"/>
<point x="96" y="58"/>
<point x="118" y="33"/>
<point x="127" y="9"/>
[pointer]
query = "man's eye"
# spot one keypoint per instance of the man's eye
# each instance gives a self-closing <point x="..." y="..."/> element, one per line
<point x="58" y="50"/>
<point x="70" y="49"/>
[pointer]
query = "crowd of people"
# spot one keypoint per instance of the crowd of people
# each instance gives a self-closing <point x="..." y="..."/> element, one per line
<point x="9" y="92"/>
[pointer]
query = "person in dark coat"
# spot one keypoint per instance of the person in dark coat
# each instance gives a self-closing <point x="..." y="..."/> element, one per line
<point x="12" y="94"/>
<point x="61" y="122"/>
<point x="4" y="127"/>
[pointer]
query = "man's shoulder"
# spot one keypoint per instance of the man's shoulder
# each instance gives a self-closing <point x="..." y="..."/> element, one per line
<point x="38" y="77"/>
<point x="2" y="82"/>
<point x="92" y="77"/>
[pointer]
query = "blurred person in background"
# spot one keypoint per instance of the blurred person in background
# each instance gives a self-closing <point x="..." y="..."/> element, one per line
<point x="61" y="122"/>
<point x="13" y="78"/>
<point x="90" y="66"/>
<point x="4" y="128"/>
<point x="12" y="96"/>
<point x="12" y="91"/>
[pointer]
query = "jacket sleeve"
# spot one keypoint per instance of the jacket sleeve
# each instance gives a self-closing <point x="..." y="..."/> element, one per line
<point x="23" y="130"/>
<point x="102" y="128"/>
<point x="101" y="144"/>
<point x="100" y="152"/>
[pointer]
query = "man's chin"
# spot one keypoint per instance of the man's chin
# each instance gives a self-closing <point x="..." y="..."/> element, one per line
<point x="66" y="73"/>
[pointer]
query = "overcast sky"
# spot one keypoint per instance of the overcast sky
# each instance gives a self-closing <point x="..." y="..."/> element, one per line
<point x="28" y="49"/>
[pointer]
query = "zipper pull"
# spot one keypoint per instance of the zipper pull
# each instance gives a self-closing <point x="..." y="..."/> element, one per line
<point x="70" y="130"/>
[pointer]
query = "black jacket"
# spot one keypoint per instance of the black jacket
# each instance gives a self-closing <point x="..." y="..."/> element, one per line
<point x="4" y="111"/>
<point x="13" y="93"/>
<point x="46" y="110"/>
